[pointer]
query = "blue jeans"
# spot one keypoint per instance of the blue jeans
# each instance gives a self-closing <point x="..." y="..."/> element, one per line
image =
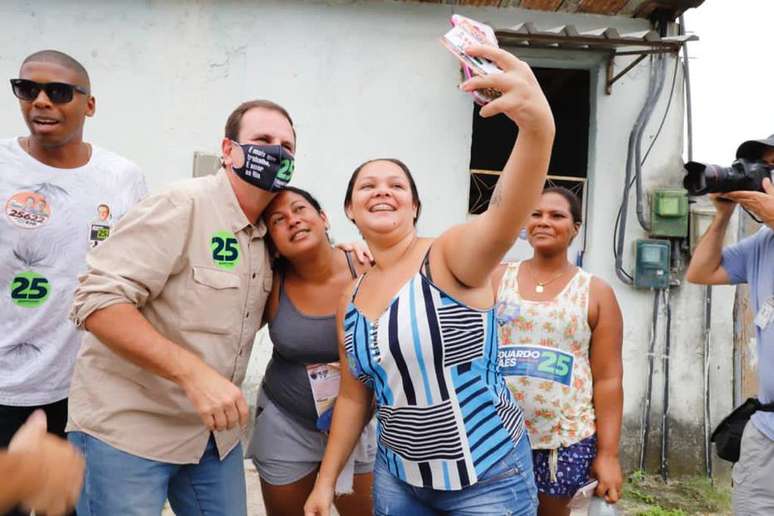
<point x="117" y="482"/>
<point x="506" y="488"/>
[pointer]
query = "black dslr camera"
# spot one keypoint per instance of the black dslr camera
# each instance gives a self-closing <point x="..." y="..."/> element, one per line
<point x="743" y="174"/>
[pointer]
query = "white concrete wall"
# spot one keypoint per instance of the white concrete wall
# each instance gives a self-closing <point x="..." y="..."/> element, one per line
<point x="363" y="80"/>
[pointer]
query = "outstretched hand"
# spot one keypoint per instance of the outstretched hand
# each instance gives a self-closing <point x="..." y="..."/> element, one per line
<point x="522" y="98"/>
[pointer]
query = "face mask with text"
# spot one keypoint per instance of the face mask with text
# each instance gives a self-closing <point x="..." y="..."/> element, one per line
<point x="268" y="167"/>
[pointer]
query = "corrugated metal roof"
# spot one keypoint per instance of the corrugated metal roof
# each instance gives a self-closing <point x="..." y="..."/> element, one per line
<point x="632" y="8"/>
<point x="569" y="37"/>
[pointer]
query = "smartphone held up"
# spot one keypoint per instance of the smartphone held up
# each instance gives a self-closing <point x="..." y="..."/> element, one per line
<point x="466" y="32"/>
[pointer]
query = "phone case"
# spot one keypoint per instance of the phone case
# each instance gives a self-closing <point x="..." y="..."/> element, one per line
<point x="465" y="32"/>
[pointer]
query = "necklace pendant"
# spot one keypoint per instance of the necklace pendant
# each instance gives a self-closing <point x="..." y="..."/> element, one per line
<point x="539" y="288"/>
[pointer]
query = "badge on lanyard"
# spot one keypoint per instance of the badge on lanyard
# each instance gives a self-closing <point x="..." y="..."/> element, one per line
<point x="765" y="314"/>
<point x="324" y="380"/>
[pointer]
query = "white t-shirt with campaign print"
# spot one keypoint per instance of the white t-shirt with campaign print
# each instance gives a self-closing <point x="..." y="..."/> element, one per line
<point x="49" y="219"/>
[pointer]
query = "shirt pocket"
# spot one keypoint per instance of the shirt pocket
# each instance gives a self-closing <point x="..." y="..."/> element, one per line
<point x="214" y="302"/>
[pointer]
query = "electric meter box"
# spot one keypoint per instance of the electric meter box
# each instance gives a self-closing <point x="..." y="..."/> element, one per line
<point x="651" y="269"/>
<point x="669" y="213"/>
<point x="205" y="164"/>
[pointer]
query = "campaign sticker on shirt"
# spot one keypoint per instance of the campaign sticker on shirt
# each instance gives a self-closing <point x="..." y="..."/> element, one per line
<point x="225" y="249"/>
<point x="28" y="210"/>
<point x="536" y="362"/>
<point x="98" y="233"/>
<point x="99" y="229"/>
<point x="29" y="289"/>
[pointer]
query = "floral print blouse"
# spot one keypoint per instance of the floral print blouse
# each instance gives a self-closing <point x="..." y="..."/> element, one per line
<point x="544" y="356"/>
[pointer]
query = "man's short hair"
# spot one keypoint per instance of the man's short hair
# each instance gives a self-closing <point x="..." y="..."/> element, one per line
<point x="234" y="122"/>
<point x="62" y="59"/>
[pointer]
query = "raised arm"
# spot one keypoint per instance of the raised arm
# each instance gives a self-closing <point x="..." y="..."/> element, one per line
<point x="705" y="267"/>
<point x="472" y="250"/>
<point x="350" y="415"/>
<point x="607" y="374"/>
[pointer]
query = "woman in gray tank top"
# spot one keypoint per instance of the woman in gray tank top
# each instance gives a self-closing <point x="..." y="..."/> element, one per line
<point x="309" y="276"/>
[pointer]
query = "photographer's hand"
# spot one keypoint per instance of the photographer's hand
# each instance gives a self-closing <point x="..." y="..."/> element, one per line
<point x="724" y="207"/>
<point x="760" y="203"/>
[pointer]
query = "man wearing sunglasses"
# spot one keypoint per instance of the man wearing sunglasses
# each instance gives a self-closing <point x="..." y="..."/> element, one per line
<point x="51" y="183"/>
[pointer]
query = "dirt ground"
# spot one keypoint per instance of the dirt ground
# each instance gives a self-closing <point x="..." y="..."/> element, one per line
<point x="647" y="495"/>
<point x="644" y="495"/>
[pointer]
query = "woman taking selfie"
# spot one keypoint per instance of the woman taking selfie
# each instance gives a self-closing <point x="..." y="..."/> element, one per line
<point x="419" y="337"/>
<point x="560" y="347"/>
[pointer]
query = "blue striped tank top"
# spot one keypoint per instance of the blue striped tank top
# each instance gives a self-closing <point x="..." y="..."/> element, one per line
<point x="444" y="412"/>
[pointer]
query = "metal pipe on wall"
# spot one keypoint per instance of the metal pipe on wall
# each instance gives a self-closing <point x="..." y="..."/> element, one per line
<point x="707" y="349"/>
<point x="665" y="404"/>
<point x="645" y="417"/>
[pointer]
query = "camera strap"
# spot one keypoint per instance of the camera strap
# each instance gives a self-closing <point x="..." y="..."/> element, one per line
<point x="752" y="216"/>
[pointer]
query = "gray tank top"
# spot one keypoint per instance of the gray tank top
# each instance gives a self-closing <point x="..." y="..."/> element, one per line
<point x="298" y="340"/>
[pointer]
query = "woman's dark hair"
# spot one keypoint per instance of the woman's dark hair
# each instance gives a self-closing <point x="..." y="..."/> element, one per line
<point x="403" y="167"/>
<point x="279" y="262"/>
<point x="306" y="195"/>
<point x="572" y="200"/>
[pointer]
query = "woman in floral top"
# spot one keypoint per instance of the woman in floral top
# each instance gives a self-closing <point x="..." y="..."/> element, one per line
<point x="560" y="334"/>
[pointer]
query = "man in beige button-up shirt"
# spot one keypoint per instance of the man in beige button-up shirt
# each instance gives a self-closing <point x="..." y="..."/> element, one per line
<point x="172" y="302"/>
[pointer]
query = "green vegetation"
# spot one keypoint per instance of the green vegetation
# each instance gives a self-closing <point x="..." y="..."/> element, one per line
<point x="647" y="495"/>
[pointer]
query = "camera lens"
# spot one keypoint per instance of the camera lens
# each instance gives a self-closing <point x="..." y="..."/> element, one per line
<point x="695" y="181"/>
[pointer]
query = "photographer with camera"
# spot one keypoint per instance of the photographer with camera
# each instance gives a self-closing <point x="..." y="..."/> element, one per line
<point x="749" y="261"/>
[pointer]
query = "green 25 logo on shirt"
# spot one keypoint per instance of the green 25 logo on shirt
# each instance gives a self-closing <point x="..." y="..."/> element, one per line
<point x="29" y="289"/>
<point x="224" y="247"/>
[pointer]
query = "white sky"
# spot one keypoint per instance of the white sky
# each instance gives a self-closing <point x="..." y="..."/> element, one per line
<point x="732" y="75"/>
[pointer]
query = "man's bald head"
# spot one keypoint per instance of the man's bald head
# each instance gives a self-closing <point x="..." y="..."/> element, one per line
<point x="61" y="59"/>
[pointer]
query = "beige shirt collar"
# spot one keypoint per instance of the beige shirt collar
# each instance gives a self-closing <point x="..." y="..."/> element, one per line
<point x="239" y="220"/>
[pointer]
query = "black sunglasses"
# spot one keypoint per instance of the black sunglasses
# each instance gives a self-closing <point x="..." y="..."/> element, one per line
<point x="57" y="92"/>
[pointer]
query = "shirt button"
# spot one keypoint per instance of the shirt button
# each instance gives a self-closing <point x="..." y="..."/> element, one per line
<point x="247" y="315"/>
<point x="253" y="275"/>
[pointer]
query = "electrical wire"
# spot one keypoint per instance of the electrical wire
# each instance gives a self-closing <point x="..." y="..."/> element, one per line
<point x="666" y="112"/>
<point x="644" y="159"/>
